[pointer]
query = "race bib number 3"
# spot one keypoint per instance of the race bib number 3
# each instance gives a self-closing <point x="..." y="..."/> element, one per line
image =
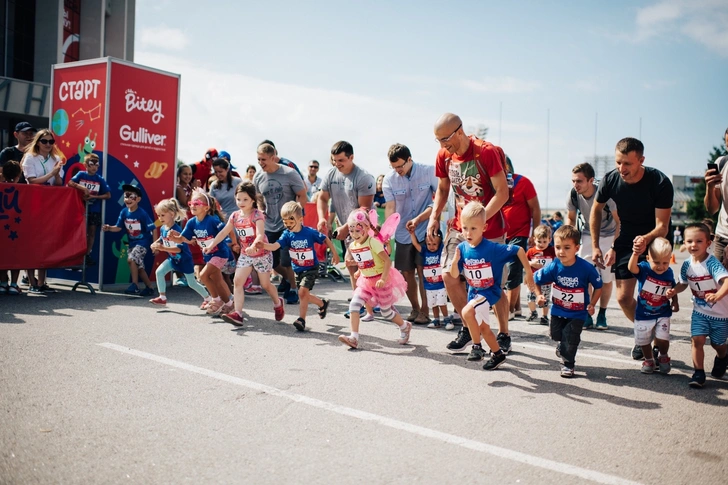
<point x="479" y="275"/>
<point x="363" y="258"/>
<point x="433" y="274"/>
<point x="302" y="257"/>
<point x="702" y="286"/>
<point x="568" y="298"/>
<point x="653" y="291"/>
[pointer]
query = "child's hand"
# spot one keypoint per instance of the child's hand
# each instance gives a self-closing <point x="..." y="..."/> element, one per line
<point x="235" y="247"/>
<point x="335" y="258"/>
<point x="712" y="298"/>
<point x="670" y="293"/>
<point x="207" y="250"/>
<point x="639" y="244"/>
<point x="357" y="274"/>
<point x="590" y="309"/>
<point x="675" y="306"/>
<point x="105" y="227"/>
<point x="250" y="251"/>
<point x="380" y="284"/>
<point x="541" y="301"/>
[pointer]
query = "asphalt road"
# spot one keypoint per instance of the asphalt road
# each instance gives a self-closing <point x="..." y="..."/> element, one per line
<point x="110" y="389"/>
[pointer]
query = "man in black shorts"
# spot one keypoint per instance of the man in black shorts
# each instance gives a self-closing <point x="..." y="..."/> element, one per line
<point x="643" y="196"/>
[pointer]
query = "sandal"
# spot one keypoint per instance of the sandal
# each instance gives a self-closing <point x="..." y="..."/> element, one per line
<point x="300" y="324"/>
<point x="322" y="309"/>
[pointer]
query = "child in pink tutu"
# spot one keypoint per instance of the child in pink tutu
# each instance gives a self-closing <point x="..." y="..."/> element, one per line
<point x="378" y="283"/>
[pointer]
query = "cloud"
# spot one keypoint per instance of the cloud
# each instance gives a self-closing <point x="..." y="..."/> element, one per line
<point x="163" y="37"/>
<point x="588" y="86"/>
<point x="659" y="84"/>
<point x="507" y="85"/>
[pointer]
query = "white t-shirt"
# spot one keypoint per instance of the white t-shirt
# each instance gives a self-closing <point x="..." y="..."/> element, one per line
<point x="37" y="166"/>
<point x="702" y="279"/>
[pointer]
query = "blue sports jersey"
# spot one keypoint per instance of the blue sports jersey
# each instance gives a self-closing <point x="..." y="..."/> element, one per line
<point x="651" y="300"/>
<point x="432" y="268"/>
<point x="138" y="225"/>
<point x="301" y="247"/>
<point x="181" y="261"/>
<point x="205" y="231"/>
<point x="95" y="184"/>
<point x="570" y="290"/>
<point x="482" y="267"/>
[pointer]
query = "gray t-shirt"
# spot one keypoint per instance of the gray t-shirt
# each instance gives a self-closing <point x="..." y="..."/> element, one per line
<point x="277" y="188"/>
<point x="345" y="190"/>
<point x="225" y="196"/>
<point x="609" y="225"/>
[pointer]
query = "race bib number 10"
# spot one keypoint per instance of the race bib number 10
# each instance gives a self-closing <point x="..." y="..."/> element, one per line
<point x="479" y="275"/>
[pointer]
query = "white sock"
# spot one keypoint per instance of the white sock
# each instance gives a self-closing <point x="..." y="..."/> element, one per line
<point x="163" y="297"/>
<point x="355" y="335"/>
<point x="403" y="327"/>
<point x="217" y="299"/>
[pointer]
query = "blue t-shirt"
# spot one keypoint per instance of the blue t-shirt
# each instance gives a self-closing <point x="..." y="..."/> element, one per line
<point x="431" y="268"/>
<point x="181" y="261"/>
<point x="482" y="267"/>
<point x="651" y="300"/>
<point x="138" y="225"/>
<point x="95" y="184"/>
<point x="300" y="247"/>
<point x="570" y="290"/>
<point x="205" y="231"/>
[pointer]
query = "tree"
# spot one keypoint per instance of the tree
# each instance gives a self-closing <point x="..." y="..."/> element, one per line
<point x="481" y="131"/>
<point x="696" y="208"/>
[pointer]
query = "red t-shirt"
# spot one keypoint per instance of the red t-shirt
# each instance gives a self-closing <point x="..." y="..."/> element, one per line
<point x="517" y="213"/>
<point x="202" y="172"/>
<point x="470" y="176"/>
<point x="543" y="256"/>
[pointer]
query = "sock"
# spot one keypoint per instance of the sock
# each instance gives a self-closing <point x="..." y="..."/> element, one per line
<point x="403" y="327"/>
<point x="602" y="311"/>
<point x="354" y="335"/>
<point x="498" y="353"/>
<point x="477" y="346"/>
<point x="217" y="299"/>
<point x="163" y="297"/>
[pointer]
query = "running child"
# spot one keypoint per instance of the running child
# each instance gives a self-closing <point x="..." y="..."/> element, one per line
<point x="432" y="272"/>
<point x="204" y="228"/>
<point x="179" y="257"/>
<point x="653" y="311"/>
<point x="708" y="280"/>
<point x="183" y="194"/>
<point x="300" y="243"/>
<point x="94" y="189"/>
<point x="139" y="227"/>
<point x="377" y="282"/>
<point x="571" y="277"/>
<point x="482" y="262"/>
<point x="539" y="256"/>
<point x="248" y="225"/>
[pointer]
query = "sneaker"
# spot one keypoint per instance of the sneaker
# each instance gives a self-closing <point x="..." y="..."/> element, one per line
<point x="47" y="289"/>
<point x="567" y="372"/>
<point x="533" y="317"/>
<point x="412" y="316"/>
<point x="159" y="301"/>
<point x="279" y="311"/>
<point x="648" y="366"/>
<point x="476" y="354"/>
<point x="602" y="321"/>
<point x="24" y="281"/>
<point x="214" y="307"/>
<point x="558" y="352"/>
<point x="350" y="341"/>
<point x="147" y="291"/>
<point x="404" y="335"/>
<point x="495" y="361"/>
<point x="448" y="323"/>
<point x="233" y="318"/>
<point x="519" y="314"/>
<point x="637" y="353"/>
<point x="544" y="321"/>
<point x="511" y="315"/>
<point x="291" y="297"/>
<point x="254" y="290"/>
<point x="456" y="317"/>
<point x="719" y="367"/>
<point x="664" y="364"/>
<point x="14" y="290"/>
<point x="461" y="341"/>
<point x="35" y="290"/>
<point x="284" y="286"/>
<point x="504" y="342"/>
<point x="132" y="290"/>
<point x="367" y="318"/>
<point x="376" y="309"/>
<point x="588" y="323"/>
<point x="435" y="323"/>
<point x="421" y="319"/>
<point x="182" y="282"/>
<point x="698" y="379"/>
<point x="362" y="311"/>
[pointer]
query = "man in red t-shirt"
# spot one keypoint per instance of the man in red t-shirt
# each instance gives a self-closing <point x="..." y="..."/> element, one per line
<point x="474" y="169"/>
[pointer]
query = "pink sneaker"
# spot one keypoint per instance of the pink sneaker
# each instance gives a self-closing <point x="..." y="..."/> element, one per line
<point x="159" y="301"/>
<point x="280" y="312"/>
<point x="233" y="318"/>
<point x="404" y="335"/>
<point x="350" y="341"/>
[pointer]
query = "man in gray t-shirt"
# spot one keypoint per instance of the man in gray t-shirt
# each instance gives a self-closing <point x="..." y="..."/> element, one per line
<point x="584" y="194"/>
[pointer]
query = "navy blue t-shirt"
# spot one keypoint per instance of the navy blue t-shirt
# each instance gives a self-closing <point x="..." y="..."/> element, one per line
<point x="301" y="247"/>
<point x="95" y="184"/>
<point x="651" y="300"/>
<point x="482" y="267"/>
<point x="181" y="261"/>
<point x="205" y="231"/>
<point x="570" y="290"/>
<point x="138" y="225"/>
<point x="432" y="268"/>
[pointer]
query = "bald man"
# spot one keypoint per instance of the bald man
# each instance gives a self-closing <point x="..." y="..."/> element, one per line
<point x="474" y="169"/>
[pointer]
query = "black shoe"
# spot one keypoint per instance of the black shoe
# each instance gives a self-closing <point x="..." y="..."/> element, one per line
<point x="637" y="353"/>
<point x="284" y="286"/>
<point x="504" y="342"/>
<point x="719" y="366"/>
<point x="300" y="324"/>
<point x="89" y="261"/>
<point x="698" y="379"/>
<point x="476" y="354"/>
<point x="461" y="341"/>
<point x="495" y="360"/>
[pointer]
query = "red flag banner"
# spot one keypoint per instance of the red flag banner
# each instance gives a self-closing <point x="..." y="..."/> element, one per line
<point x="41" y="227"/>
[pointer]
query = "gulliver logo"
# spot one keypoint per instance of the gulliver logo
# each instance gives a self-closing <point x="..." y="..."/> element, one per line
<point x="136" y="102"/>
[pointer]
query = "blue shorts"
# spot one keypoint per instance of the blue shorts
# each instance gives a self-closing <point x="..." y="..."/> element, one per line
<point x="715" y="328"/>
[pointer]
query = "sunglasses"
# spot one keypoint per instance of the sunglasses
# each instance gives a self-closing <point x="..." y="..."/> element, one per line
<point x="45" y="141"/>
<point x="313" y="166"/>
<point x="196" y="203"/>
<point x="130" y="195"/>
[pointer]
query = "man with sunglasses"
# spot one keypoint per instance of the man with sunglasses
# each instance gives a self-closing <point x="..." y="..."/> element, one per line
<point x="313" y="181"/>
<point x="475" y="169"/>
<point x="24" y="133"/>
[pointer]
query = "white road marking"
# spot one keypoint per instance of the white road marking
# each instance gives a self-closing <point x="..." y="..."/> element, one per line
<point x="623" y="360"/>
<point x="497" y="451"/>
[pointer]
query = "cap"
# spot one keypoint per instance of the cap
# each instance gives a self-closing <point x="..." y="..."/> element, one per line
<point x="132" y="188"/>
<point x="24" y="126"/>
<point x="210" y="154"/>
<point x="225" y="155"/>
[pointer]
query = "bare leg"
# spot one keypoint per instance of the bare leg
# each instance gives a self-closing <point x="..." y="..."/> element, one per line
<point x="269" y="288"/>
<point x="698" y="352"/>
<point x="606" y="295"/>
<point x="501" y="313"/>
<point x="456" y="291"/>
<point x="625" y="297"/>
<point x="424" y="309"/>
<point x="412" y="289"/>
<point x="134" y="270"/>
<point x="241" y="275"/>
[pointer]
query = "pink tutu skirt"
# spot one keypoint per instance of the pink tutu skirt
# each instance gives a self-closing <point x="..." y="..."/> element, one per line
<point x="393" y="290"/>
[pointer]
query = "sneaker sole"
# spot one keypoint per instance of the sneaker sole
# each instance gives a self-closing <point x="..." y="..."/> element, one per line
<point x="567" y="376"/>
<point x="602" y="328"/>
<point x="461" y="350"/>
<point x="695" y="385"/>
<point x="300" y="327"/>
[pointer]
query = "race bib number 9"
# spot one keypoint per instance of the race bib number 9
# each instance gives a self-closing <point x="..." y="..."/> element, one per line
<point x="701" y="286"/>
<point x="302" y="257"/>
<point x="653" y="291"/>
<point x="568" y="298"/>
<point x="363" y="258"/>
<point x="433" y="274"/>
<point x="479" y="275"/>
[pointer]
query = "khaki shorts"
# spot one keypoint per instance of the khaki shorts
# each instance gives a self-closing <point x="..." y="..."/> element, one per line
<point x="307" y="278"/>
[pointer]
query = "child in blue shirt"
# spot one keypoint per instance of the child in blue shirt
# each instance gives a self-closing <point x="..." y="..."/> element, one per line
<point x="431" y="253"/>
<point x="570" y="277"/>
<point x="139" y="227"/>
<point x="94" y="189"/>
<point x="300" y="240"/>
<point x="653" y="311"/>
<point x="481" y="262"/>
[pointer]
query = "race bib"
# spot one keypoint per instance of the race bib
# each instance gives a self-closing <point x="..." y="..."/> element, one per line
<point x="93" y="187"/>
<point x="363" y="258"/>
<point x="167" y="243"/>
<point x="433" y="273"/>
<point x="205" y="242"/>
<point x="302" y="257"/>
<point x="701" y="286"/>
<point x="568" y="298"/>
<point x="479" y="275"/>
<point x="246" y="234"/>
<point x="134" y="227"/>
<point x="542" y="261"/>
<point x="653" y="291"/>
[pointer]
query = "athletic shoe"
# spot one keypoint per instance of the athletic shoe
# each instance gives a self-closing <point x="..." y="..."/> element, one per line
<point x="47" y="289"/>
<point x="254" y="290"/>
<point x="404" y="335"/>
<point x="664" y="364"/>
<point x="228" y="307"/>
<point x="350" y="341"/>
<point x="495" y="361"/>
<point x="456" y="317"/>
<point x="602" y="321"/>
<point x="412" y="316"/>
<point x="461" y="341"/>
<point x="588" y="323"/>
<point x="435" y="323"/>
<point x="367" y="318"/>
<point x="300" y="324"/>
<point x="233" y="318"/>
<point x="14" y="290"/>
<point x="284" y="286"/>
<point x="291" y="297"/>
<point x="35" y="290"/>
<point x="533" y="317"/>
<point x="648" y="366"/>
<point x="719" y="367"/>
<point x="567" y="372"/>
<point x="448" y="323"/>
<point x="24" y="281"/>
<point x="637" y="353"/>
<point x="504" y="342"/>
<point x="132" y="290"/>
<point x="279" y="310"/>
<point x="324" y="308"/>
<point x="476" y="354"/>
<point x="182" y="282"/>
<point x="519" y="314"/>
<point x="511" y="315"/>
<point x="558" y="350"/>
<point x="147" y="291"/>
<point x="376" y="309"/>
<point x="698" y="379"/>
<point x="159" y="301"/>
<point x="544" y="321"/>
<point x="421" y="319"/>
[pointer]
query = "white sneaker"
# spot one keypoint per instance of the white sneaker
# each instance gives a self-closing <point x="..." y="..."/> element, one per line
<point x="404" y="335"/>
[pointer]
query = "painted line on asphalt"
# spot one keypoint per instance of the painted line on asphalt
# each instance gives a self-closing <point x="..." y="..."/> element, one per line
<point x="580" y="354"/>
<point x="497" y="451"/>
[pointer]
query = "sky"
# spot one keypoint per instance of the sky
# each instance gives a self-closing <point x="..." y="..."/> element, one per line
<point x="554" y="82"/>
